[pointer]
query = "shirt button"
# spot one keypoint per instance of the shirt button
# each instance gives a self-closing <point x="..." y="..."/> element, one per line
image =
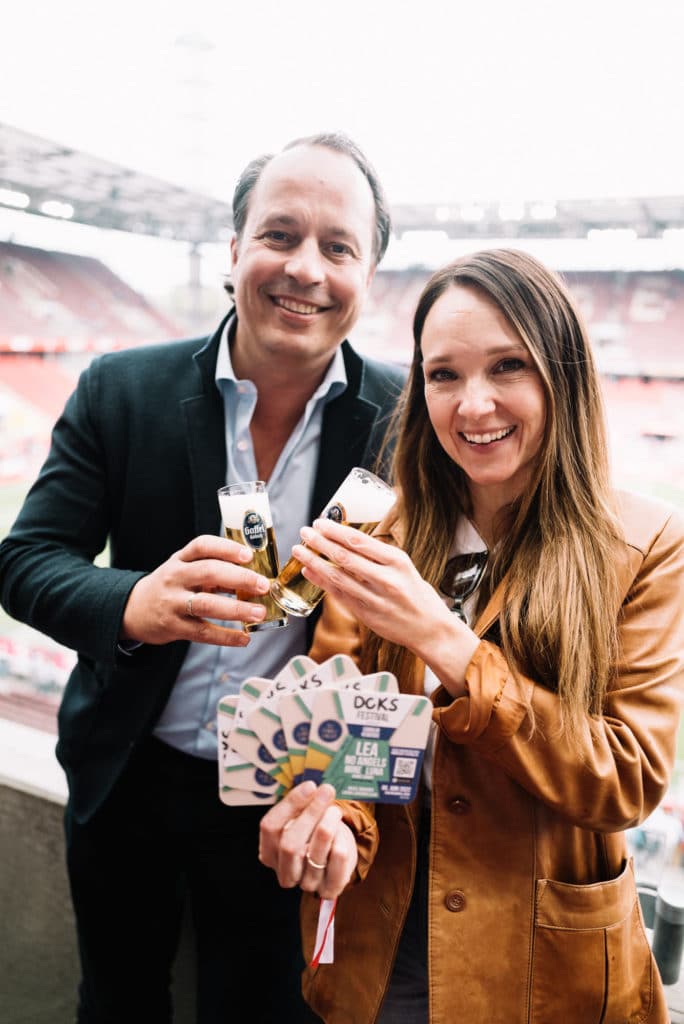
<point x="225" y="677"/>
<point x="459" y="805"/>
<point x="455" y="901"/>
<point x="242" y="446"/>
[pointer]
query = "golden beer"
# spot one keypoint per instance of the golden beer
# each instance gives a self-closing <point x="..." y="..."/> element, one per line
<point x="246" y="515"/>
<point x="360" y="501"/>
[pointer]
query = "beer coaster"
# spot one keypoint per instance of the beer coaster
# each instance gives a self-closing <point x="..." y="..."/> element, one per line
<point x="328" y="732"/>
<point x="234" y="770"/>
<point x="296" y="707"/>
<point x="334" y="670"/>
<point x="264" y="720"/>
<point x="322" y="722"/>
<point x="296" y="669"/>
<point x="381" y="757"/>
<point x="243" y="740"/>
<point x="244" y="798"/>
<point x="296" y="715"/>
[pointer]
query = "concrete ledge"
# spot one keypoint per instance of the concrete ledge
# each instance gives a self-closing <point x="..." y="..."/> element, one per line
<point x="28" y="762"/>
<point x="39" y="967"/>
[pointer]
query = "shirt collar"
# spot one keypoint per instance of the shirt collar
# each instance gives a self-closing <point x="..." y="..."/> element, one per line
<point x="334" y="382"/>
<point x="467" y="540"/>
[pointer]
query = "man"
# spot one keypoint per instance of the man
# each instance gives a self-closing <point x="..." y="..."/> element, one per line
<point x="136" y="459"/>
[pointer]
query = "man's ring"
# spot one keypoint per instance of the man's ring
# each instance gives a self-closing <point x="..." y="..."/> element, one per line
<point x="313" y="864"/>
<point x="189" y="609"/>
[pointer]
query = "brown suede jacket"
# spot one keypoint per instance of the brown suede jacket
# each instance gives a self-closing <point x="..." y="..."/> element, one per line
<point x="533" y="911"/>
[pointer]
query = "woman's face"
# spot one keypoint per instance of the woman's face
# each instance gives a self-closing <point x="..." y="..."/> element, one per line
<point x="484" y="394"/>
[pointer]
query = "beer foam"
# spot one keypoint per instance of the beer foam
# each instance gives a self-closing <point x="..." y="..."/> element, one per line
<point x="364" y="501"/>
<point x="234" y="506"/>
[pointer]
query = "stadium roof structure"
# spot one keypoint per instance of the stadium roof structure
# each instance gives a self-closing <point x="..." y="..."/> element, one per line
<point x="48" y="178"/>
<point x="646" y="217"/>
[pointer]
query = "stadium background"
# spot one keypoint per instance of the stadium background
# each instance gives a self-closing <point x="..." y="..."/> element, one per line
<point x="111" y="233"/>
<point x="59" y="307"/>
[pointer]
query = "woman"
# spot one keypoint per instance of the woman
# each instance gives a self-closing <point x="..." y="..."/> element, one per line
<point x="507" y="896"/>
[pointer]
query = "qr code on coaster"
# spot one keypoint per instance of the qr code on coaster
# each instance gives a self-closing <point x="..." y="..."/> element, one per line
<point x="405" y="768"/>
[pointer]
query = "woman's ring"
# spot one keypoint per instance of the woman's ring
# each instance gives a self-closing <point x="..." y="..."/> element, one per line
<point x="313" y="864"/>
<point x="189" y="609"/>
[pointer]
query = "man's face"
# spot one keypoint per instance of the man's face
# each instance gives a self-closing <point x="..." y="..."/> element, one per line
<point x="303" y="265"/>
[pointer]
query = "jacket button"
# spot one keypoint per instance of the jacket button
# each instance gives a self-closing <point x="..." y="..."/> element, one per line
<point x="460" y="805"/>
<point x="455" y="901"/>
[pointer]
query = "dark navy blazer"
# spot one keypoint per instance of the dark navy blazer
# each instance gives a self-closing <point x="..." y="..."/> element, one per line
<point x="135" y="462"/>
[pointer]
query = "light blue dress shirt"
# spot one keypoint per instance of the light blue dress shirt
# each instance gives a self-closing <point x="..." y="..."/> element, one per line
<point x="188" y="721"/>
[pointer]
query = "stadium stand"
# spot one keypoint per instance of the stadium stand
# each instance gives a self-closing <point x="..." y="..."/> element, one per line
<point x="60" y="302"/>
<point x="57" y="310"/>
<point x="635" y="319"/>
<point x="42" y="382"/>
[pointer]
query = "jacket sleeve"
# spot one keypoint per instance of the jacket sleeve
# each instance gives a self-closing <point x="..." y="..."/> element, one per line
<point x="47" y="575"/>
<point x="337" y="632"/>
<point x="622" y="768"/>
<point x="360" y="818"/>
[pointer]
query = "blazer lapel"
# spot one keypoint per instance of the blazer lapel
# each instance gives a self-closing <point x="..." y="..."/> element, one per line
<point x="205" y="431"/>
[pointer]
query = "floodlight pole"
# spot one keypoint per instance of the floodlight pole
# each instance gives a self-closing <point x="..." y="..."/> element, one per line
<point x="195" y="281"/>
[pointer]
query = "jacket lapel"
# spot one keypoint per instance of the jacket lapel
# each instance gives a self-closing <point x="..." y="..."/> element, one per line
<point x="205" y="432"/>
<point x="490" y="613"/>
<point x="348" y="423"/>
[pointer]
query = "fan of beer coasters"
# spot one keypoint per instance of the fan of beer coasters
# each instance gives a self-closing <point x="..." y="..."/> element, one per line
<point x="325" y="722"/>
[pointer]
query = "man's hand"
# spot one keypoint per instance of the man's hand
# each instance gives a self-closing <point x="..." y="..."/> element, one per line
<point x="175" y="601"/>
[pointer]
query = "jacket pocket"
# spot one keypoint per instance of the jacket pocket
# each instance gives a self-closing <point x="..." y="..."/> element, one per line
<point x="592" y="963"/>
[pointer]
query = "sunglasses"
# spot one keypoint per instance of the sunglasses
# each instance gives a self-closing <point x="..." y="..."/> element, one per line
<point x="461" y="578"/>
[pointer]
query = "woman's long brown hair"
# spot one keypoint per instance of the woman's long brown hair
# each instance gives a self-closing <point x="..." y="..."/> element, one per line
<point x="555" y="547"/>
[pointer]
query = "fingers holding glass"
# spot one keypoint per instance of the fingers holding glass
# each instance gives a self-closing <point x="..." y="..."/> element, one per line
<point x="333" y="566"/>
<point x="247" y="520"/>
<point x="360" y="501"/>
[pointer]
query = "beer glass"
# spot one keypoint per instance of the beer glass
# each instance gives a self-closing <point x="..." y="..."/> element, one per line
<point x="246" y="515"/>
<point x="361" y="500"/>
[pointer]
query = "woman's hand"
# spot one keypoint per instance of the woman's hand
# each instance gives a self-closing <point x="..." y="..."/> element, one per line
<point x="305" y="841"/>
<point x="379" y="584"/>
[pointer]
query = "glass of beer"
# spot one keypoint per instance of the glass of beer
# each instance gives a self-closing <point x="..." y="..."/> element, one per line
<point x="246" y="515"/>
<point x="361" y="500"/>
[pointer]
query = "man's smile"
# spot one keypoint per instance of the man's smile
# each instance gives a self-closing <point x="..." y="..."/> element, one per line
<point x="297" y="305"/>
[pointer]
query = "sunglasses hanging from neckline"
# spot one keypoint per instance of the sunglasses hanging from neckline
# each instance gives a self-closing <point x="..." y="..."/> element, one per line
<point x="462" y="577"/>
